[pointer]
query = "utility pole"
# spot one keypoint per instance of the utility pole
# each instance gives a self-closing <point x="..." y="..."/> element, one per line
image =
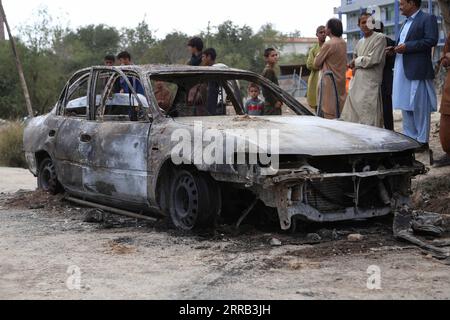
<point x="208" y="35"/>
<point x="2" y="29"/>
<point x="18" y="63"/>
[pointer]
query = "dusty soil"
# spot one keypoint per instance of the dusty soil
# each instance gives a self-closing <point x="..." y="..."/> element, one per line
<point x="45" y="243"/>
<point x="13" y="179"/>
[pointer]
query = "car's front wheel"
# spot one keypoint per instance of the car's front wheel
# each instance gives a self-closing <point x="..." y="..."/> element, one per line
<point x="47" y="178"/>
<point x="195" y="200"/>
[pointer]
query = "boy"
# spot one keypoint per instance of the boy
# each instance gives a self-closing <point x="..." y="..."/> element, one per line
<point x="125" y="60"/>
<point x="254" y="106"/>
<point x="195" y="47"/>
<point x="272" y="105"/>
<point x="109" y="60"/>
<point x="209" y="57"/>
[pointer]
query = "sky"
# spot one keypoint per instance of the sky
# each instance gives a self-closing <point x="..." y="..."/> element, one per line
<point x="165" y="16"/>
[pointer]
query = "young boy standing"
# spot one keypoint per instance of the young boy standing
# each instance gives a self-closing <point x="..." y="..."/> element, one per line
<point x="272" y="104"/>
<point x="254" y="106"/>
<point x="195" y="47"/>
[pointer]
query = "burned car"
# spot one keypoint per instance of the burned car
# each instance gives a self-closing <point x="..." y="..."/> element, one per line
<point x="141" y="148"/>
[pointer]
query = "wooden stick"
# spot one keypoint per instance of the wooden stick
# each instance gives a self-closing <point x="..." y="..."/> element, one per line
<point x="18" y="64"/>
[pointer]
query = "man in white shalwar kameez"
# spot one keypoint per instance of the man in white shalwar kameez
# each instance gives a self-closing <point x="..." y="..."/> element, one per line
<point x="364" y="103"/>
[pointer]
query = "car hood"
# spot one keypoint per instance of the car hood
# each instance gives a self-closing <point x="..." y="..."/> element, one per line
<point x="313" y="136"/>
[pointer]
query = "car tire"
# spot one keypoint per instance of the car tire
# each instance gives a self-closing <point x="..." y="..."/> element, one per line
<point x="47" y="177"/>
<point x="195" y="200"/>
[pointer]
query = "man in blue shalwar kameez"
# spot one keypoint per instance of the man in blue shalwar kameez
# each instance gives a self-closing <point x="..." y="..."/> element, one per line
<point x="414" y="92"/>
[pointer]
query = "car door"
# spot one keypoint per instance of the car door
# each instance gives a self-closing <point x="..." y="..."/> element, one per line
<point x="71" y="152"/>
<point x="116" y="172"/>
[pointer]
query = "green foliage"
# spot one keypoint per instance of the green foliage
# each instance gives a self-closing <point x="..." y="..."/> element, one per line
<point x="11" y="145"/>
<point x="138" y="41"/>
<point x="51" y="52"/>
<point x="240" y="47"/>
<point x="12" y="104"/>
<point x="170" y="50"/>
<point x="293" y="59"/>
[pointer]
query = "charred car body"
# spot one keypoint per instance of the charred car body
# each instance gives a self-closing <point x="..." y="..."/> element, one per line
<point x="116" y="148"/>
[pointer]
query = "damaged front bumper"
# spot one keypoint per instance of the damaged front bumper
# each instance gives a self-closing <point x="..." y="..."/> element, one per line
<point x="331" y="197"/>
<point x="308" y="194"/>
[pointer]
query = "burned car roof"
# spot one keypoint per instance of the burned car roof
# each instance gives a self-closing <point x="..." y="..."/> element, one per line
<point x="164" y="69"/>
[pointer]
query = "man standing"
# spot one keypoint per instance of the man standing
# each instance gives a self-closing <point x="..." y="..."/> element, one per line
<point x="364" y="103"/>
<point x="414" y="91"/>
<point x="445" y="109"/>
<point x="388" y="79"/>
<point x="195" y="47"/>
<point x="314" y="76"/>
<point x="332" y="60"/>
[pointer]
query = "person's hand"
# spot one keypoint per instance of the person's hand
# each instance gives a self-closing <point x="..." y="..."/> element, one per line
<point x="401" y="49"/>
<point x="390" y="51"/>
<point x="278" y="105"/>
<point x="352" y="64"/>
<point x="445" y="62"/>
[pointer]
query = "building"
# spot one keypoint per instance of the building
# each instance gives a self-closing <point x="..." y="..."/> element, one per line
<point x="297" y="46"/>
<point x="388" y="12"/>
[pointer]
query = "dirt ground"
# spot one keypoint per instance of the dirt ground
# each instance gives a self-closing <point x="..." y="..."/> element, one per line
<point x="50" y="249"/>
<point x="14" y="179"/>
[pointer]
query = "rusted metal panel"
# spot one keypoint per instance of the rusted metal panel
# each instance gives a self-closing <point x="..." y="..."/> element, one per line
<point x="314" y="136"/>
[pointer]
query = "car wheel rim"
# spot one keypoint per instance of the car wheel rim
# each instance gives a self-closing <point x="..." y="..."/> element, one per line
<point x="186" y="202"/>
<point x="48" y="177"/>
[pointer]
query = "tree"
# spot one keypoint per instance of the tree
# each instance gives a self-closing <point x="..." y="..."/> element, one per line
<point x="174" y="46"/>
<point x="271" y="36"/>
<point x="238" y="47"/>
<point x="12" y="103"/>
<point x="52" y="51"/>
<point x="138" y="40"/>
<point x="293" y="58"/>
<point x="99" y="39"/>
<point x="38" y="35"/>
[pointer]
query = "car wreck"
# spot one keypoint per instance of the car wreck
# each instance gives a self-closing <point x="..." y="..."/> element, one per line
<point x="116" y="148"/>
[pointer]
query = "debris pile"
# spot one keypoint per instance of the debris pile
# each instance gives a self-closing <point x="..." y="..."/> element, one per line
<point x="419" y="227"/>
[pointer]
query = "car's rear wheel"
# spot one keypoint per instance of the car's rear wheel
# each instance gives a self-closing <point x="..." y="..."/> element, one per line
<point x="195" y="200"/>
<point x="47" y="178"/>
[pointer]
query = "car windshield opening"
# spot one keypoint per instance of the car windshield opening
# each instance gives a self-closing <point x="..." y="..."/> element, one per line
<point x="205" y="95"/>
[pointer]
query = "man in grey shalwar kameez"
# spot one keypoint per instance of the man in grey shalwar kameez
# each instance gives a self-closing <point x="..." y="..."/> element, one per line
<point x="364" y="103"/>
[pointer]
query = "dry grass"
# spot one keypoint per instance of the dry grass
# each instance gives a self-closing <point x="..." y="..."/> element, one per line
<point x="11" y="145"/>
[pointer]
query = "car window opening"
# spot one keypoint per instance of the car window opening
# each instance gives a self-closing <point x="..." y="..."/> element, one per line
<point x="116" y="101"/>
<point x="209" y="95"/>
